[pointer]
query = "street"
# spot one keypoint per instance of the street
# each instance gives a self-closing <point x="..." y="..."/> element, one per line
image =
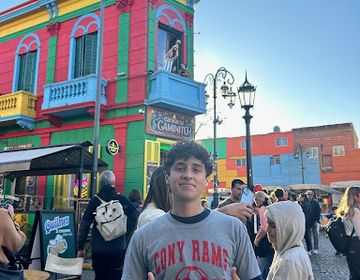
<point x="326" y="266"/>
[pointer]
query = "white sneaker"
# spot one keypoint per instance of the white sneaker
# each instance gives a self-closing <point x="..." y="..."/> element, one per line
<point x="315" y="252"/>
<point x="309" y="253"/>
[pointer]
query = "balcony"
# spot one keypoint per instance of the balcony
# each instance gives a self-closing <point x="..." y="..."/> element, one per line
<point x="72" y="98"/>
<point x="174" y="92"/>
<point x="18" y="108"/>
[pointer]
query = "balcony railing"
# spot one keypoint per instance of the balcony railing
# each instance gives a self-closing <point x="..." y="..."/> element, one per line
<point x="18" y="107"/>
<point x="72" y="96"/>
<point x="174" y="92"/>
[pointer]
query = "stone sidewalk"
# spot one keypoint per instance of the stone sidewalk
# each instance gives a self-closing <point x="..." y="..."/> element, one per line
<point x="326" y="265"/>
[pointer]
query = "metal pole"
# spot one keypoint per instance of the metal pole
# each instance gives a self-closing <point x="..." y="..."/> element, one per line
<point x="216" y="180"/>
<point x="247" y="117"/>
<point x="99" y="55"/>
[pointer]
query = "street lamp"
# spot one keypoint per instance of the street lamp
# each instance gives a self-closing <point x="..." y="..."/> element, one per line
<point x="299" y="153"/>
<point x="246" y="94"/>
<point x="226" y="79"/>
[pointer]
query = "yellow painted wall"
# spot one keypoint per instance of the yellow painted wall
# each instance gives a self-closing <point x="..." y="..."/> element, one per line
<point x="41" y="15"/>
<point x="182" y="1"/>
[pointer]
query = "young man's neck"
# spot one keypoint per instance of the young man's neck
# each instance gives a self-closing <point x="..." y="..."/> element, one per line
<point x="187" y="209"/>
<point x="233" y="198"/>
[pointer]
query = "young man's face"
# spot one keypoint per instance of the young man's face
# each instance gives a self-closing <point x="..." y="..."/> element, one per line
<point x="187" y="179"/>
<point x="236" y="191"/>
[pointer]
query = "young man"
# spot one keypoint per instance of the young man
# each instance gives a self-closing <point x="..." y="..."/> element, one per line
<point x="190" y="242"/>
<point x="236" y="188"/>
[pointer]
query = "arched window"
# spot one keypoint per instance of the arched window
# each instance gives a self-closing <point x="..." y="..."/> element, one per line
<point x="27" y="64"/>
<point x="171" y="28"/>
<point x="84" y="41"/>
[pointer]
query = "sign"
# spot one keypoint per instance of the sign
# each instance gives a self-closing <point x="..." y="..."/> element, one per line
<point x="150" y="168"/>
<point x="169" y="124"/>
<point x="112" y="147"/>
<point x="17" y="147"/>
<point x="57" y="234"/>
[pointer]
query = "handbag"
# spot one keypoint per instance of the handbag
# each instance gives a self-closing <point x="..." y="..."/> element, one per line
<point x="10" y="274"/>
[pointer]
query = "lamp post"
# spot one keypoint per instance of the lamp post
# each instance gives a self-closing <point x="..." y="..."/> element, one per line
<point x="97" y="101"/>
<point x="299" y="153"/>
<point x="246" y="94"/>
<point x="223" y="76"/>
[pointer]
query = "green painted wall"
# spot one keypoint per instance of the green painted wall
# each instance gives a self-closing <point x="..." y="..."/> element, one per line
<point x="221" y="146"/>
<point x="134" y="172"/>
<point x="79" y="135"/>
<point x="123" y="58"/>
<point x="50" y="68"/>
<point x="190" y="50"/>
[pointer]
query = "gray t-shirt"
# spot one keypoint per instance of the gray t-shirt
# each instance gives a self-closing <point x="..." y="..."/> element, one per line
<point x="204" y="250"/>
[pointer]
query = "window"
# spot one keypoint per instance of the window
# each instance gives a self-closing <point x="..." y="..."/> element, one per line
<point x="27" y="67"/>
<point x="243" y="144"/>
<point x="281" y="141"/>
<point x="240" y="162"/>
<point x="312" y="152"/>
<point x="338" y="151"/>
<point x="167" y="38"/>
<point x="26" y="64"/>
<point x="275" y="160"/>
<point x="326" y="161"/>
<point x="85" y="55"/>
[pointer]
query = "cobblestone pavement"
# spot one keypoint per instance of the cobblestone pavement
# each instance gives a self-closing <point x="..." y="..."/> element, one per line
<point x="326" y="265"/>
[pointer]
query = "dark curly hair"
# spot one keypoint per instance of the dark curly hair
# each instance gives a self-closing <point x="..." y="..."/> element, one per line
<point x="184" y="150"/>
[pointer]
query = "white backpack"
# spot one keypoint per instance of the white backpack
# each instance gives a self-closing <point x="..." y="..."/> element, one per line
<point x="111" y="219"/>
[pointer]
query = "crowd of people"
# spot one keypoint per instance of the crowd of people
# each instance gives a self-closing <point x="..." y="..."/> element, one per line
<point x="173" y="234"/>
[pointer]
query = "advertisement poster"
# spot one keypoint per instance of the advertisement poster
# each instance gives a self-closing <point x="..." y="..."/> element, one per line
<point x="150" y="168"/>
<point x="57" y="234"/>
<point x="169" y="124"/>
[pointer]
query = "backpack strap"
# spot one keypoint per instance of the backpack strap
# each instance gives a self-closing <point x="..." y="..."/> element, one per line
<point x="102" y="201"/>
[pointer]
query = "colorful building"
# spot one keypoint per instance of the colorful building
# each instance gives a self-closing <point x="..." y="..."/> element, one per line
<point x="330" y="154"/>
<point x="48" y="68"/>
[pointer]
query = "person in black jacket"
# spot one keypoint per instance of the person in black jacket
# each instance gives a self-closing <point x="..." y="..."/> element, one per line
<point x="312" y="212"/>
<point x="107" y="256"/>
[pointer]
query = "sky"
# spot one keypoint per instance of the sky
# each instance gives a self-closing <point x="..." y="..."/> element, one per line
<point x="302" y="55"/>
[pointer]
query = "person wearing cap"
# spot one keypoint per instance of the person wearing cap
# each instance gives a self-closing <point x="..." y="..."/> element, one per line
<point x="236" y="188"/>
<point x="312" y="212"/>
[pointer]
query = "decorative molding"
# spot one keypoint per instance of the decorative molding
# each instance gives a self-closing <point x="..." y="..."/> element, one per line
<point x="124" y="5"/>
<point x="153" y="3"/>
<point x="53" y="28"/>
<point x="52" y="9"/>
<point x="189" y="18"/>
<point x="163" y="10"/>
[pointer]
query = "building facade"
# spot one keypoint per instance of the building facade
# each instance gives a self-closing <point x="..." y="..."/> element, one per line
<point x="48" y="64"/>
<point x="311" y="155"/>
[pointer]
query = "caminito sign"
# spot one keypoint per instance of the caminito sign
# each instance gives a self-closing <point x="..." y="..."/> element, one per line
<point x="169" y="124"/>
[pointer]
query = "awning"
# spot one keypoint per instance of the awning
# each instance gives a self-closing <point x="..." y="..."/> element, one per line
<point x="49" y="160"/>
<point x="305" y="187"/>
<point x="345" y="184"/>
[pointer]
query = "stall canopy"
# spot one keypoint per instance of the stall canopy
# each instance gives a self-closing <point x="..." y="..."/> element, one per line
<point x="49" y="160"/>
